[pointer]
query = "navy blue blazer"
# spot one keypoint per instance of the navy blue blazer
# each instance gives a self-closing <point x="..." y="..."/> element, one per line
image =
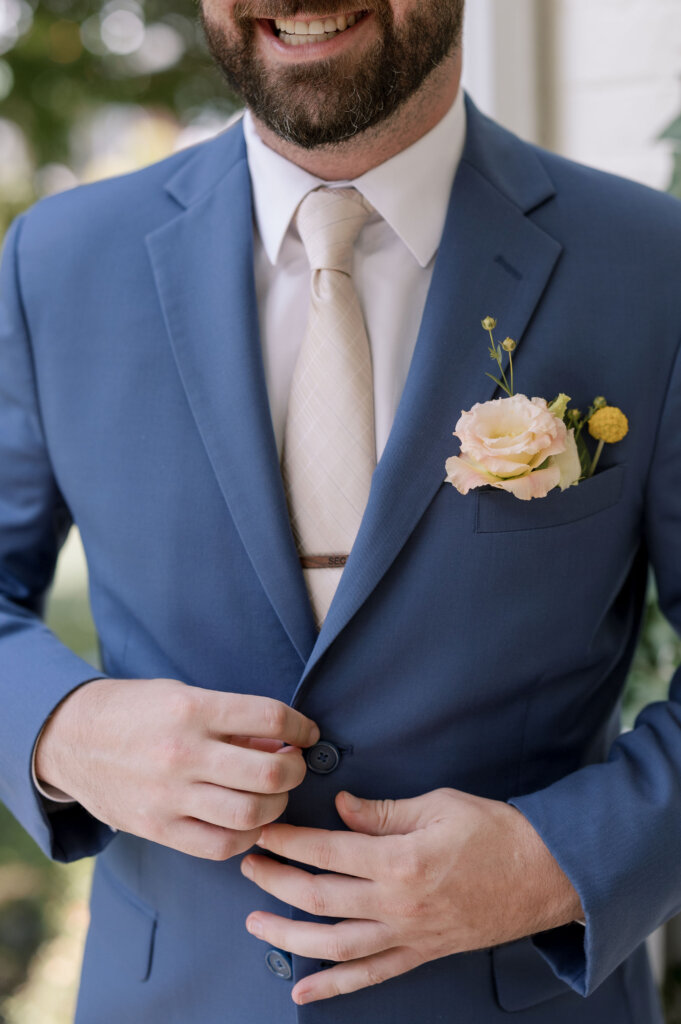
<point x="477" y="642"/>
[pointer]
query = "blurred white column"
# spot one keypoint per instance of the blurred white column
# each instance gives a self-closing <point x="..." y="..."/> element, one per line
<point x="501" y="66"/>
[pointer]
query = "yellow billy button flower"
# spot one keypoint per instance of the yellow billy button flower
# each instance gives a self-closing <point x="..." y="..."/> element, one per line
<point x="608" y="424"/>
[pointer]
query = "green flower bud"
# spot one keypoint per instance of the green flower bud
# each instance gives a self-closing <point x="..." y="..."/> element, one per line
<point x="508" y="345"/>
<point x="559" y="405"/>
<point x="489" y="323"/>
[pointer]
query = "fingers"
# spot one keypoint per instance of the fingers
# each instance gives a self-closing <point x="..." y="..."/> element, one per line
<point x="349" y="853"/>
<point x="350" y="977"/>
<point x="199" y="839"/>
<point x="257" y="743"/>
<point x="388" y="817"/>
<point x="235" y="714"/>
<point x="232" y="809"/>
<point x="250" y="770"/>
<point x="322" y="895"/>
<point x="347" y="940"/>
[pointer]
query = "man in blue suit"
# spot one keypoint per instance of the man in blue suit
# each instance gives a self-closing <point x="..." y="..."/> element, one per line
<point x="511" y="851"/>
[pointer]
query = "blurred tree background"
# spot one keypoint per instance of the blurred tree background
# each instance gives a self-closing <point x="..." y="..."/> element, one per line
<point x="89" y="89"/>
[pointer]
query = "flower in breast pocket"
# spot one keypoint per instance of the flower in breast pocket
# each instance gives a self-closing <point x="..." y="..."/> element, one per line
<point x="525" y="445"/>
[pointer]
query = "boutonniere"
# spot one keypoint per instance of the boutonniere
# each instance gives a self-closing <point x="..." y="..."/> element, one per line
<point x="526" y="445"/>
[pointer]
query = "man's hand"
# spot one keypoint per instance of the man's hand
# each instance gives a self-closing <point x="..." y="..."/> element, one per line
<point x="198" y="770"/>
<point x="415" y="880"/>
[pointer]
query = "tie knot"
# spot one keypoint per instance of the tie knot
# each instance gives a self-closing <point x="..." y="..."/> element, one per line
<point x="329" y="221"/>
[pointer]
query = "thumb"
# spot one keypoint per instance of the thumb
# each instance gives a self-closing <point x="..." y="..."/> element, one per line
<point x="384" y="817"/>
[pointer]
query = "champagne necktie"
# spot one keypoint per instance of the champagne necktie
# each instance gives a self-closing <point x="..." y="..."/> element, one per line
<point x="329" y="451"/>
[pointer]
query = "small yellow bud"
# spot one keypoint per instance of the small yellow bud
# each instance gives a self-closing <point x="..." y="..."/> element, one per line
<point x="508" y="345"/>
<point x="599" y="403"/>
<point x="489" y="323"/>
<point x="608" y="424"/>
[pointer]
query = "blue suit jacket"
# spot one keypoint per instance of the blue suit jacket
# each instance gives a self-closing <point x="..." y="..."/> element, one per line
<point x="476" y="642"/>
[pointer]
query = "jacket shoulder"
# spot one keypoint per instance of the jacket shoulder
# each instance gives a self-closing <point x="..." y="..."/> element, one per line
<point x="135" y="202"/>
<point x="604" y="195"/>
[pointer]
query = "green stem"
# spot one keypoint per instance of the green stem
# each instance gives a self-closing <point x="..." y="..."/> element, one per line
<point x="594" y="461"/>
<point x="510" y="363"/>
<point x="493" y="352"/>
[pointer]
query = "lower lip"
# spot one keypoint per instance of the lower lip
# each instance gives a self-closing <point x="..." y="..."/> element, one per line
<point x="311" y="51"/>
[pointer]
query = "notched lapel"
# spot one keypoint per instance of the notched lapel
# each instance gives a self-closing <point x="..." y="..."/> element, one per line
<point x="203" y="267"/>
<point x="493" y="260"/>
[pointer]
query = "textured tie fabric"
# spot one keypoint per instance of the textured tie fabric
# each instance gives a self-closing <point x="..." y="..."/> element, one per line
<point x="329" y="451"/>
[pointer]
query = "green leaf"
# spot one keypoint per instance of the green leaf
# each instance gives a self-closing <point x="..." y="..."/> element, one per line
<point x="496" y="380"/>
<point x="583" y="452"/>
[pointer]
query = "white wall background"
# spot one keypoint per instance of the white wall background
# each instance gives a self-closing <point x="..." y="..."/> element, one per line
<point x="596" y="80"/>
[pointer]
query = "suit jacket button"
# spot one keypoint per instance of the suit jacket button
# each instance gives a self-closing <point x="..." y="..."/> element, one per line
<point x="279" y="963"/>
<point x="323" y="758"/>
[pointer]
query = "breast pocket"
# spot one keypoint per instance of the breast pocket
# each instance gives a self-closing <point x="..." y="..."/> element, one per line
<point x="500" y="512"/>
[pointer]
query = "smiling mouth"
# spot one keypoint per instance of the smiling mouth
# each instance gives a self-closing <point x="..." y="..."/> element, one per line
<point x="295" y="32"/>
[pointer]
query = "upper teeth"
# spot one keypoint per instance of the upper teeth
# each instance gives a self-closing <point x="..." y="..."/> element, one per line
<point x="315" y="28"/>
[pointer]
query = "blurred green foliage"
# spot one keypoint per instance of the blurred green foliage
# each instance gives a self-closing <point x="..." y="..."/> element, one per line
<point x="43" y="905"/>
<point x="63" y="61"/>
<point x="63" y="67"/>
<point x="657" y="656"/>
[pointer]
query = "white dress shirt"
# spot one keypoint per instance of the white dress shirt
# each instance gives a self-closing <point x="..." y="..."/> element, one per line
<point x="394" y="257"/>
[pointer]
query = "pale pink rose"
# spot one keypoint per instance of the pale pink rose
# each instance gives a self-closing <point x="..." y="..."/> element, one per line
<point x="505" y="441"/>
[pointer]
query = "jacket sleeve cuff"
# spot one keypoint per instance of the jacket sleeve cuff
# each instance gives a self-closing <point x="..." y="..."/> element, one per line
<point x="564" y="947"/>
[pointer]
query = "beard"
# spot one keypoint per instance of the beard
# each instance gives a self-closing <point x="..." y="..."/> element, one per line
<point x="328" y="101"/>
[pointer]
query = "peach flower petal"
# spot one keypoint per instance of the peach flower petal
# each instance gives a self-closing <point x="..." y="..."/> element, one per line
<point x="532" y="485"/>
<point x="463" y="475"/>
<point x="568" y="463"/>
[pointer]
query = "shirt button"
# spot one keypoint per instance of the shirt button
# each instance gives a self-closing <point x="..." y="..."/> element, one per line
<point x="323" y="758"/>
<point x="279" y="964"/>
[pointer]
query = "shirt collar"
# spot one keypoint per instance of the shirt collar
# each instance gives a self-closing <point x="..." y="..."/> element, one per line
<point x="410" y="191"/>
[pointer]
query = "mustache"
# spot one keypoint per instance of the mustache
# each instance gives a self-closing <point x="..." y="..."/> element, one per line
<point x="269" y="9"/>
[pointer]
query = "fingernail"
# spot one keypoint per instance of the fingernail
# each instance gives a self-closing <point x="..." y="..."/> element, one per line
<point x="247" y="868"/>
<point x="300" y="998"/>
<point x="260" y="841"/>
<point x="352" y="803"/>
<point x="254" y="927"/>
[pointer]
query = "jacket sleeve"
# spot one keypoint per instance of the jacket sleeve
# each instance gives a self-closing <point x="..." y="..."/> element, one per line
<point x="36" y="670"/>
<point x="615" y="828"/>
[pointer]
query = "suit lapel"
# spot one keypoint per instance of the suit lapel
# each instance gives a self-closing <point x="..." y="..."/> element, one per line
<point x="493" y="260"/>
<point x="203" y="267"/>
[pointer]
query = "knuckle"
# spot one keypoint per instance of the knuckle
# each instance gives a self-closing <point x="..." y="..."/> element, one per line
<point x="272" y="776"/>
<point x="338" y="948"/>
<point x="374" y="974"/>
<point x="221" y="847"/>
<point x="247" y="814"/>
<point x="385" y="810"/>
<point x="276" y="717"/>
<point x="313" y="901"/>
<point x="173" y="754"/>
<point x="321" y="855"/>
<point x="180" y="706"/>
